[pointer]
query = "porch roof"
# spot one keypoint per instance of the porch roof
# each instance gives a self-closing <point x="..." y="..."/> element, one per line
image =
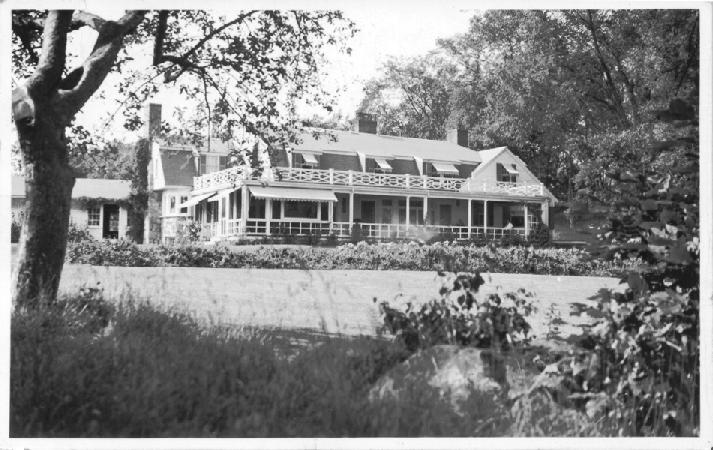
<point x="195" y="200"/>
<point x="282" y="193"/>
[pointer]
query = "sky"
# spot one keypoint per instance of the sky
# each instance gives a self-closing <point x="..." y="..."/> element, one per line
<point x="386" y="30"/>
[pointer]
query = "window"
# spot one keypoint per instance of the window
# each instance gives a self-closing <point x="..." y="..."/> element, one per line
<point x="183" y="200"/>
<point x="301" y="210"/>
<point x="93" y="217"/>
<point x="309" y="161"/>
<point x="507" y="173"/>
<point x="172" y="204"/>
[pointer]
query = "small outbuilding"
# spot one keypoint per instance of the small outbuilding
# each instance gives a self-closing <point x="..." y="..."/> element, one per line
<point x="99" y="205"/>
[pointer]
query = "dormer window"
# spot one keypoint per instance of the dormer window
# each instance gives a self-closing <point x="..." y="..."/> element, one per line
<point x="382" y="166"/>
<point x="507" y="173"/>
<point x="444" y="170"/>
<point x="309" y="161"/>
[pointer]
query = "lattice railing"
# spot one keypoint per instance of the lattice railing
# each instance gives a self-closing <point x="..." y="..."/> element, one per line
<point x="228" y="177"/>
<point x="222" y="178"/>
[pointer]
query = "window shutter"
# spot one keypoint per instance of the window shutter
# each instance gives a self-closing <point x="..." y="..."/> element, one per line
<point x="222" y="162"/>
<point x="202" y="165"/>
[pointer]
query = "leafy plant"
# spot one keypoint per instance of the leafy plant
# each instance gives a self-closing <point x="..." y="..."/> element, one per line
<point x="456" y="317"/>
<point x="645" y="353"/>
<point x="78" y="234"/>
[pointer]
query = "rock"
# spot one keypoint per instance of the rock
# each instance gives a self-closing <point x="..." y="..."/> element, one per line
<point x="452" y="370"/>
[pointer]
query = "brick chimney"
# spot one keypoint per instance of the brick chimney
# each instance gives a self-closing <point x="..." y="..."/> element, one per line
<point x="365" y="123"/>
<point x="457" y="136"/>
<point x="152" y="120"/>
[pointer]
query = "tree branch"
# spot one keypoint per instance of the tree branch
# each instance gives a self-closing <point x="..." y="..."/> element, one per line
<point x="87" y="19"/>
<point x="53" y="56"/>
<point x="184" y="60"/>
<point x="99" y="62"/>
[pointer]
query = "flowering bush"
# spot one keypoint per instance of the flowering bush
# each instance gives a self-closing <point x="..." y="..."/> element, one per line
<point x="456" y="317"/>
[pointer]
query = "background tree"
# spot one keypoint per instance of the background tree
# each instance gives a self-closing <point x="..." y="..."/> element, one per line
<point x="568" y="91"/>
<point x="411" y="97"/>
<point x="253" y="67"/>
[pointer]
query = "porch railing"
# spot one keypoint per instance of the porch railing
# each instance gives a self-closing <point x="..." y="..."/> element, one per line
<point x="231" y="176"/>
<point x="226" y="228"/>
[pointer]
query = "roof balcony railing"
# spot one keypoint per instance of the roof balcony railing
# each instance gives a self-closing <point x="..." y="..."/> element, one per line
<point x="233" y="175"/>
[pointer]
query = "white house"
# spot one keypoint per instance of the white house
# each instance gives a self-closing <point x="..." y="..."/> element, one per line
<point x="332" y="181"/>
<point x="97" y="205"/>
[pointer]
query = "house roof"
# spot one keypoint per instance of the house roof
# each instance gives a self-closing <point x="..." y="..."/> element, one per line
<point x="178" y="167"/>
<point x="389" y="147"/>
<point x="85" y="187"/>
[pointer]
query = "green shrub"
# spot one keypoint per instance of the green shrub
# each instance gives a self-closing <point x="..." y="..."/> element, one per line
<point x="362" y="256"/>
<point x="75" y="233"/>
<point x="457" y="318"/>
<point x="645" y="353"/>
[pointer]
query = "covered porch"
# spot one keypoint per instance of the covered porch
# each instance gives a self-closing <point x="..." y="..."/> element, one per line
<point x="257" y="210"/>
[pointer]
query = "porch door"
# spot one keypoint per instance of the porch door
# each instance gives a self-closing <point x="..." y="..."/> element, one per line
<point x="444" y="215"/>
<point x="368" y="211"/>
<point x="110" y="227"/>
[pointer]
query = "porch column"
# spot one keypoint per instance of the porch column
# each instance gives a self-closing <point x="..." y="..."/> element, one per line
<point x="268" y="215"/>
<point x="545" y="213"/>
<point x="527" y="221"/>
<point x="485" y="218"/>
<point x="408" y="211"/>
<point x="244" y="210"/>
<point x="221" y="222"/>
<point x="470" y="216"/>
<point x="425" y="210"/>
<point x="351" y="210"/>
<point x="330" y="212"/>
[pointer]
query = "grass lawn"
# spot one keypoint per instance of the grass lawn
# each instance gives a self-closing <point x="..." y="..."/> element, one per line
<point x="332" y="301"/>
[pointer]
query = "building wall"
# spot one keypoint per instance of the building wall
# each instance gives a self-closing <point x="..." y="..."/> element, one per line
<point x="79" y="215"/>
<point x="458" y="208"/>
<point x="405" y="166"/>
<point x="466" y="170"/>
<point x="339" y="162"/>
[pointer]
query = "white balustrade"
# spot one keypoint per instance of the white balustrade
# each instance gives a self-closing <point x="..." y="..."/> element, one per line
<point x="232" y="175"/>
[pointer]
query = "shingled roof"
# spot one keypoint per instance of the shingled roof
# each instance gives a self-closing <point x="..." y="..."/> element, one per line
<point x="389" y="147"/>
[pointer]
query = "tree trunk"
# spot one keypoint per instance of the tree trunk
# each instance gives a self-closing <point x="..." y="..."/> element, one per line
<point x="48" y="186"/>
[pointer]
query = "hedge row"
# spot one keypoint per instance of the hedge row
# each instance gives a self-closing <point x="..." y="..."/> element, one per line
<point x="362" y="256"/>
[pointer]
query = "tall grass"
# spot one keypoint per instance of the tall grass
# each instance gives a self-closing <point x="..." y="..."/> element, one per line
<point x="88" y="368"/>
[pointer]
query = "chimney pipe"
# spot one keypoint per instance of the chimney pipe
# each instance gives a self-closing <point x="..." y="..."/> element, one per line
<point x="457" y="136"/>
<point x="365" y="123"/>
<point x="153" y="120"/>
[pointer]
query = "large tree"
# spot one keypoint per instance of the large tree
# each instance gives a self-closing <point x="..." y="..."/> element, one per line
<point x="556" y="86"/>
<point x="250" y="69"/>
